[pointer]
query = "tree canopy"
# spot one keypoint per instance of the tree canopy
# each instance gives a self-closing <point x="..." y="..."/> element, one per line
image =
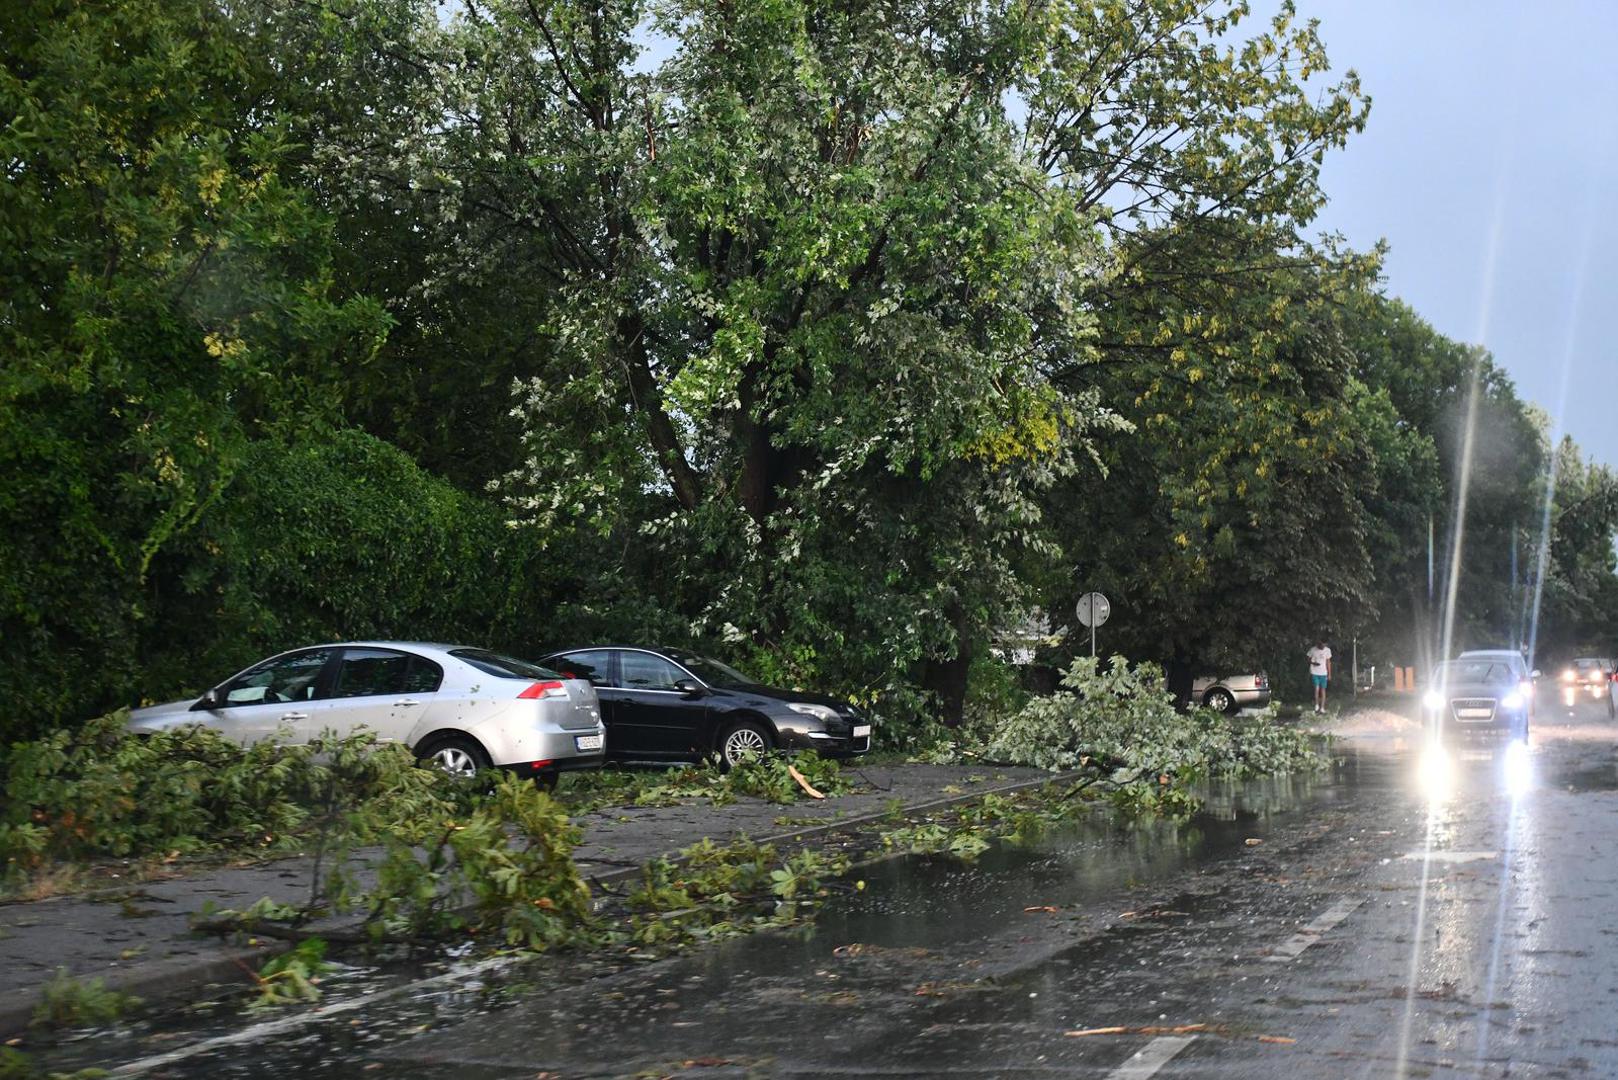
<point x="833" y="337"/>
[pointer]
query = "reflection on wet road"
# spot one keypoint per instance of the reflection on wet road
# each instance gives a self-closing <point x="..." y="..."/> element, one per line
<point x="1399" y="916"/>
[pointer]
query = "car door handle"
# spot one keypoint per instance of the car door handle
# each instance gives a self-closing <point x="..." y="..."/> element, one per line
<point x="406" y="703"/>
<point x="295" y="716"/>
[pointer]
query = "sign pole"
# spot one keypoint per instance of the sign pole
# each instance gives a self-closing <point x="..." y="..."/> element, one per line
<point x="1092" y="610"/>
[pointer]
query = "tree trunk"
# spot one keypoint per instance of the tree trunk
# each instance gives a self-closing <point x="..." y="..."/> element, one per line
<point x="1180" y="672"/>
<point x="945" y="680"/>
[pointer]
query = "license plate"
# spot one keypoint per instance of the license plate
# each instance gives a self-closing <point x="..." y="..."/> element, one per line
<point x="587" y="742"/>
<point x="1474" y="714"/>
<point x="862" y="731"/>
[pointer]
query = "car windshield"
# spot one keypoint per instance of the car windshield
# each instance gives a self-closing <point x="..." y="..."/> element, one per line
<point x="501" y="666"/>
<point x="1475" y="671"/>
<point x="1587" y="665"/>
<point x="713" y="672"/>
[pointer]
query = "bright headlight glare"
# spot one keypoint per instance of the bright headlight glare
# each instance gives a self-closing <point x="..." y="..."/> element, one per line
<point x="820" y="712"/>
<point x="1513" y="700"/>
<point x="1435" y="772"/>
<point x="1433" y="699"/>
<point x="1519" y="768"/>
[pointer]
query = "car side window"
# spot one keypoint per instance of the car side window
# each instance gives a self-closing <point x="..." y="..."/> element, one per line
<point x="423" y="676"/>
<point x="377" y="672"/>
<point x="643" y="671"/>
<point x="592" y="664"/>
<point x="283" y="679"/>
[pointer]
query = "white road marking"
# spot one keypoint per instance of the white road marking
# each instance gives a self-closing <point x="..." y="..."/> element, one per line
<point x="1449" y="856"/>
<point x="297" y="1020"/>
<point x="1153" y="1056"/>
<point x="1312" y="933"/>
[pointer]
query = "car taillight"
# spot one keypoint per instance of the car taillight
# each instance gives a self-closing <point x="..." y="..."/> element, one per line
<point x="548" y="689"/>
<point x="1261" y="682"/>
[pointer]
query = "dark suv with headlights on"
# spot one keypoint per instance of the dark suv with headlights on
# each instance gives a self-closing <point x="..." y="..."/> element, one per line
<point x="673" y="705"/>
<point x="1479" y="695"/>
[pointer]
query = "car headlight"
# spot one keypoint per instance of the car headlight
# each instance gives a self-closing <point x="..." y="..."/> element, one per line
<point x="819" y="712"/>
<point x="1513" y="700"/>
<point x="1433" y="700"/>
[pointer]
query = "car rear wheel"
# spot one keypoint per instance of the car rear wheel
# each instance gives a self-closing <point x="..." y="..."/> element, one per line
<point x="743" y="742"/>
<point x="458" y="755"/>
<point x="1221" y="699"/>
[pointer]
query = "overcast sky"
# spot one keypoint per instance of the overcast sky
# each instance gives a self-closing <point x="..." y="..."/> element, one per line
<point x="1489" y="167"/>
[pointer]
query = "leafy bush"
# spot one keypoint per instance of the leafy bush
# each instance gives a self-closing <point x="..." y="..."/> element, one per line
<point x="101" y="791"/>
<point x="505" y="868"/>
<point x="1121" y="724"/>
<point x="308" y="541"/>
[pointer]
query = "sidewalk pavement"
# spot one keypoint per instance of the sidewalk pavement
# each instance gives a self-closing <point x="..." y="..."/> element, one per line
<point x="139" y="939"/>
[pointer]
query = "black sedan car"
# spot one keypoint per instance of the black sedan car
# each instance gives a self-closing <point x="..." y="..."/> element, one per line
<point x="673" y="705"/>
<point x="1480" y="695"/>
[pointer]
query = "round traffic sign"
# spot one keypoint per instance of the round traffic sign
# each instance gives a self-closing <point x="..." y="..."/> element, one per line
<point x="1093" y="609"/>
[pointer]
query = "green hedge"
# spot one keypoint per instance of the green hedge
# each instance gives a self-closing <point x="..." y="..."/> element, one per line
<point x="336" y="536"/>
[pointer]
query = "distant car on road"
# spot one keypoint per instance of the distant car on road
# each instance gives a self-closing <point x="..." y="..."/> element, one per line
<point x="1591" y="676"/>
<point x="460" y="708"/>
<point x="1480" y="693"/>
<point x="673" y="705"/>
<point x="1591" y="673"/>
<point x="1232" y="693"/>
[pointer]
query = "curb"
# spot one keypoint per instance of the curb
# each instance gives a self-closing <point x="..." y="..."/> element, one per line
<point x="164" y="981"/>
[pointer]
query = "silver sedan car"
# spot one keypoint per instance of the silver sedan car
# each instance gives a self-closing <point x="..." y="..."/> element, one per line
<point x="1232" y="693"/>
<point x="462" y="708"/>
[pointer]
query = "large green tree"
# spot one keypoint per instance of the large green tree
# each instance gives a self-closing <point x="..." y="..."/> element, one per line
<point x="799" y="301"/>
<point x="164" y="292"/>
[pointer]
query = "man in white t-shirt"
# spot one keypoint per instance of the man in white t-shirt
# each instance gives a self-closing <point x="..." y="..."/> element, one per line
<point x="1320" y="672"/>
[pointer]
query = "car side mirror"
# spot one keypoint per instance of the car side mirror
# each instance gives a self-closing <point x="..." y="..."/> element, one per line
<point x="1534" y="674"/>
<point x="690" y="686"/>
<point x="211" y="699"/>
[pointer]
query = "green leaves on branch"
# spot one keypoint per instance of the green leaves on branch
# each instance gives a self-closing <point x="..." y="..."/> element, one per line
<point x="1120" y="725"/>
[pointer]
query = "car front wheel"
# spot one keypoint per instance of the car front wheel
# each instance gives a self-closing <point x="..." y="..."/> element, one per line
<point x="1221" y="699"/>
<point x="743" y="742"/>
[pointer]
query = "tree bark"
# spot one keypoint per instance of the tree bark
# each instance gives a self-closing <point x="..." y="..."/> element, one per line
<point x="647" y="398"/>
<point x="945" y="680"/>
<point x="1180" y="672"/>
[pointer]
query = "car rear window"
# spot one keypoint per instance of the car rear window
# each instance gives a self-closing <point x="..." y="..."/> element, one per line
<point x="501" y="666"/>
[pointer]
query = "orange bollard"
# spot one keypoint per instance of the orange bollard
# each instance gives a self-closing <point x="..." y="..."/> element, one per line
<point x="1398" y="678"/>
<point x="1410" y="679"/>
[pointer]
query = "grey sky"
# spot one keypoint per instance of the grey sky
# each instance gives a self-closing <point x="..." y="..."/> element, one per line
<point x="1492" y="131"/>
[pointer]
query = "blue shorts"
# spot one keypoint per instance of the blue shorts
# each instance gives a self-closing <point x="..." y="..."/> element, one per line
<point x="1320" y="682"/>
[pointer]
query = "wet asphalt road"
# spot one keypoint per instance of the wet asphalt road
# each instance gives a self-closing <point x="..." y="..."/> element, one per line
<point x="1394" y="918"/>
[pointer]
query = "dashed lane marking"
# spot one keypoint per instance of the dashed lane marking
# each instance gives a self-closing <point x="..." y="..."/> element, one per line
<point x="1153" y="1056"/>
<point x="1449" y="856"/>
<point x="1312" y="933"/>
